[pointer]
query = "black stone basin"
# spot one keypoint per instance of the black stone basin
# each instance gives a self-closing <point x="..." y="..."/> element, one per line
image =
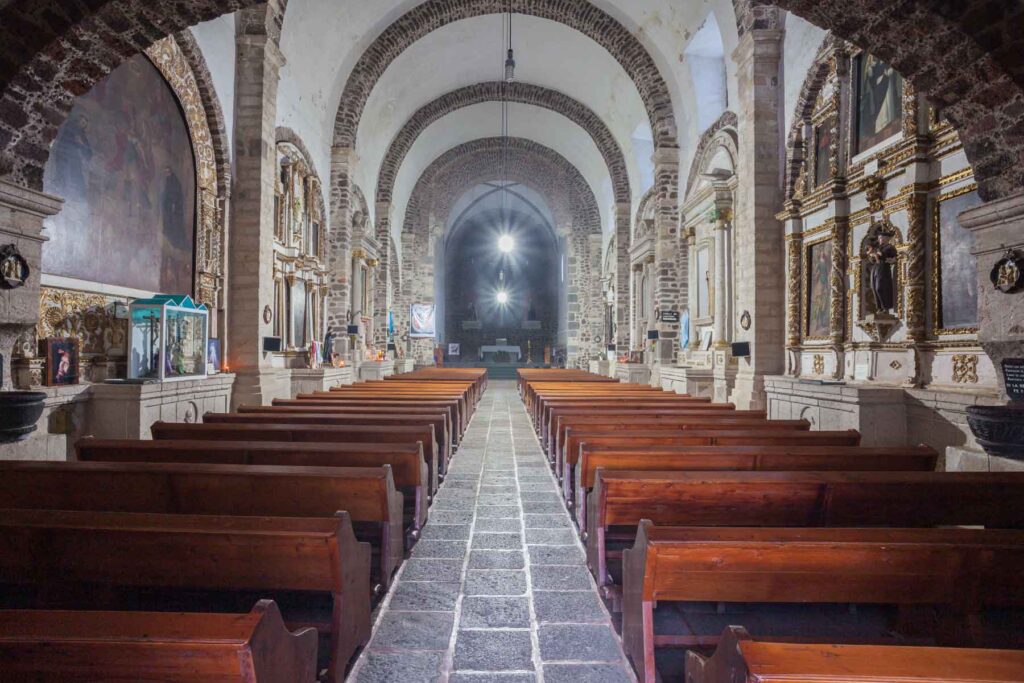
<point x="999" y="429"/>
<point x="19" y="411"/>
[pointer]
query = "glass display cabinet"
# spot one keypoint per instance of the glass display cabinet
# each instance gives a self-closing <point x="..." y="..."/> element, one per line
<point x="168" y="337"/>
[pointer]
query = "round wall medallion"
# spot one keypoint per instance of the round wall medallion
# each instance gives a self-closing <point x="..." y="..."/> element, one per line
<point x="1008" y="273"/>
<point x="14" y="270"/>
<point x="745" y="320"/>
<point x="268" y="314"/>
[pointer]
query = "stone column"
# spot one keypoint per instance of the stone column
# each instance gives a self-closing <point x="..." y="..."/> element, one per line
<point x="258" y="61"/>
<point x="382" y="280"/>
<point x="670" y="269"/>
<point x="758" y="235"/>
<point x="690" y="235"/>
<point x="997" y="226"/>
<point x="339" y="241"/>
<point x="721" y="291"/>
<point x="623" y="225"/>
<point x="22" y="212"/>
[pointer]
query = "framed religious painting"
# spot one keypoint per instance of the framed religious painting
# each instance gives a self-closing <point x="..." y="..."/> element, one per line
<point x="822" y="153"/>
<point x="62" y="366"/>
<point x="955" y="275"/>
<point x="818" y="298"/>
<point x="879" y="102"/>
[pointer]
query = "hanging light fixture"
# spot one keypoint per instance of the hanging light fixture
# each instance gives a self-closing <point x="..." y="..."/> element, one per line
<point x="510" y="61"/>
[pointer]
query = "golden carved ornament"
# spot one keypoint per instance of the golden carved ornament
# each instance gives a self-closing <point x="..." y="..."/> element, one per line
<point x="965" y="369"/>
<point x="819" y="364"/>
<point x="874" y="188"/>
<point x="793" y="288"/>
<point x="89" y="318"/>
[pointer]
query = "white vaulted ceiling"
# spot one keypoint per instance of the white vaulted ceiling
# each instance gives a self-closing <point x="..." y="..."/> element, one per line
<point x="323" y="40"/>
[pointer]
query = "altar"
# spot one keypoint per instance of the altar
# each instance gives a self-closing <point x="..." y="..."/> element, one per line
<point x="495" y="350"/>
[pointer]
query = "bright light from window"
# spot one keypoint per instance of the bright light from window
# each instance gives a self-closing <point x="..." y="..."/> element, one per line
<point x="506" y="243"/>
<point x="502" y="298"/>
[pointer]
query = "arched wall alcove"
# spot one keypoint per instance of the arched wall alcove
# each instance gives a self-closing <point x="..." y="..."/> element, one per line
<point x="478" y="275"/>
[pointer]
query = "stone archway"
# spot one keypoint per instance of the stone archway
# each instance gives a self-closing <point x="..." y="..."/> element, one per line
<point x="532" y="165"/>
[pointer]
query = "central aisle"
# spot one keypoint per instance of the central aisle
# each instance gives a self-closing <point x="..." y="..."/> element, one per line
<point x="497" y="588"/>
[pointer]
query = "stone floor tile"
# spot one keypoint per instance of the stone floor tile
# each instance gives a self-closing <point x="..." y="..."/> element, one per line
<point x="497" y="541"/>
<point x="408" y="667"/>
<point x="491" y="677"/>
<point x="495" y="582"/>
<point x="551" y="536"/>
<point x="425" y="596"/>
<point x="547" y="521"/>
<point x="486" y="612"/>
<point x="508" y="524"/>
<point x="496" y="559"/>
<point x="586" y="673"/>
<point x="497" y="511"/>
<point x="568" y="607"/>
<point x="556" y="554"/>
<point x="579" y="643"/>
<point x="445" y="532"/>
<point x="493" y="651"/>
<point x="450" y="516"/>
<point x="413" y="631"/>
<point x="416" y="569"/>
<point x="440" y="549"/>
<point x="560" y="578"/>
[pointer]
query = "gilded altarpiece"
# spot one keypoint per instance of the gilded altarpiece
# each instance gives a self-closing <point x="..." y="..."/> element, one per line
<point x="900" y="359"/>
<point x="896" y="175"/>
<point x="300" y="266"/>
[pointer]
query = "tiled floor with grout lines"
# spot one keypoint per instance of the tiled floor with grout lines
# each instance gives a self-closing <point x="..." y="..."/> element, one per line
<point x="497" y="589"/>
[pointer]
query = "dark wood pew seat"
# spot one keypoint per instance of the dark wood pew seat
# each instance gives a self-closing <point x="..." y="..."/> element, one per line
<point x="368" y="495"/>
<point x="352" y="434"/>
<point x="408" y="466"/>
<point x="741" y="658"/>
<point x="313" y="568"/>
<point x="125" y="647"/>
<point x="620" y="500"/>
<point x="947" y="587"/>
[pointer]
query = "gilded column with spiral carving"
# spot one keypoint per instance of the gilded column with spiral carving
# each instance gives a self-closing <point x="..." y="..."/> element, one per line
<point x="793" y="280"/>
<point x="915" y="318"/>
<point x="837" y="284"/>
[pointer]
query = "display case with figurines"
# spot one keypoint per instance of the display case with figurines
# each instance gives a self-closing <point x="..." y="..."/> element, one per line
<point x="169" y="336"/>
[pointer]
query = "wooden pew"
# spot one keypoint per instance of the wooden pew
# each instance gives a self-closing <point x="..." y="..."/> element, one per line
<point x="621" y="499"/>
<point x="750" y="457"/>
<point x="258" y="414"/>
<point x="562" y="418"/>
<point x="380" y="402"/>
<point x="754" y="436"/>
<point x="959" y="571"/>
<point x="697" y="421"/>
<point x="408" y="466"/>
<point x="355" y="434"/>
<point x="85" y="647"/>
<point x="740" y="658"/>
<point x="368" y="495"/>
<point x="649" y="403"/>
<point x="313" y="568"/>
<point x="317" y="406"/>
<point x="461" y="393"/>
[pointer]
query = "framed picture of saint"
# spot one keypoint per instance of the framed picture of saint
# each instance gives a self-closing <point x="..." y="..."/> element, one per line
<point x="822" y="152"/>
<point x="879" y="102"/>
<point x="819" y="291"/>
<point x="61" y="360"/>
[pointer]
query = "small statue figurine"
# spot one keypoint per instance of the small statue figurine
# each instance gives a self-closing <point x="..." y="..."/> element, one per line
<point x="882" y="255"/>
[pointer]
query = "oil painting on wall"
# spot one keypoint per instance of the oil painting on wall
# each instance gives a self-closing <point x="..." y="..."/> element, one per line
<point x="819" y="273"/>
<point x="879" y="102"/>
<point x="959" y="267"/>
<point x="123" y="163"/>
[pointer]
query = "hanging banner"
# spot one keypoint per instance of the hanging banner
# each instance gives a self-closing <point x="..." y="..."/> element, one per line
<point x="421" y="318"/>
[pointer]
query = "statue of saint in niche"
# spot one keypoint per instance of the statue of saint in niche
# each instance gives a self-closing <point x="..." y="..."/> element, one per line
<point x="882" y="255"/>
